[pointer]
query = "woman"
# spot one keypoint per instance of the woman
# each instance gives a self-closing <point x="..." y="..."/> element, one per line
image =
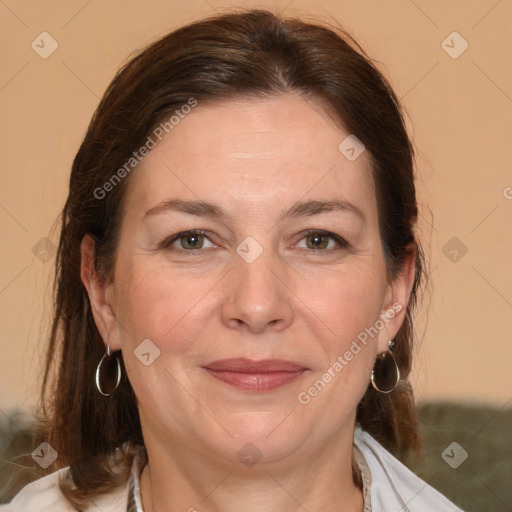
<point x="236" y="277"/>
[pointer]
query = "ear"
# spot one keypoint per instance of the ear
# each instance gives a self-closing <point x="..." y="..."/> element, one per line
<point x="396" y="299"/>
<point x="100" y="296"/>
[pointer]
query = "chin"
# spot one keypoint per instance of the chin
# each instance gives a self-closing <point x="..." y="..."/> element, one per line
<point x="257" y="438"/>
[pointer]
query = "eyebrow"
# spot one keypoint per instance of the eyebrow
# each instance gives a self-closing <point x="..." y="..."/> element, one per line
<point x="298" y="209"/>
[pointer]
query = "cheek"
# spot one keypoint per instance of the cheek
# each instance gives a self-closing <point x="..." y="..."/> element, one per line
<point x="348" y="301"/>
<point x="163" y="307"/>
<point x="348" y="310"/>
<point x="169" y="307"/>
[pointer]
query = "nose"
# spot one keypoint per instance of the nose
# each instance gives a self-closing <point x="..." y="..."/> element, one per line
<point x="259" y="297"/>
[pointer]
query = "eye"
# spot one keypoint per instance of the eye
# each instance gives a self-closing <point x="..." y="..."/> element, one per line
<point x="323" y="241"/>
<point x="188" y="240"/>
<point x="194" y="240"/>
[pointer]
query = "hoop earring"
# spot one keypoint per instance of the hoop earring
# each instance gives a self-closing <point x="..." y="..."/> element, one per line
<point x="98" y="371"/>
<point x="386" y="371"/>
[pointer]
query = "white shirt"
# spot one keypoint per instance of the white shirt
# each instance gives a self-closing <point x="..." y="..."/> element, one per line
<point x="393" y="488"/>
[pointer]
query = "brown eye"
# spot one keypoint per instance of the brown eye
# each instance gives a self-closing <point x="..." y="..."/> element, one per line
<point x="323" y="241"/>
<point x="317" y="241"/>
<point x="188" y="241"/>
<point x="192" y="241"/>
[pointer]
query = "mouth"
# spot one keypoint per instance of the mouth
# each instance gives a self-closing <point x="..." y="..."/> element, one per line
<point x="249" y="375"/>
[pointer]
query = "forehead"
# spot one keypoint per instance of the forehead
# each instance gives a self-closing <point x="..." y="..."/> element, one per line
<point x="253" y="153"/>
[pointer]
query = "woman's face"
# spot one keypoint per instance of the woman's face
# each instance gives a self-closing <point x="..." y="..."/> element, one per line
<point x="254" y="285"/>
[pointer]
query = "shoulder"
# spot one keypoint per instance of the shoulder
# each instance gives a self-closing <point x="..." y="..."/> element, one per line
<point x="395" y="485"/>
<point x="44" y="495"/>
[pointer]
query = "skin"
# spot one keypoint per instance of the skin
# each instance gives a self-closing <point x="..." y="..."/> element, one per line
<point x="254" y="158"/>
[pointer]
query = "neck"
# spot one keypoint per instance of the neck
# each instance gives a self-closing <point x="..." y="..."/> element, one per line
<point x="174" y="481"/>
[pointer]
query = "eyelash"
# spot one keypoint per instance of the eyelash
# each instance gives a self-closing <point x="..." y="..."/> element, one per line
<point x="342" y="243"/>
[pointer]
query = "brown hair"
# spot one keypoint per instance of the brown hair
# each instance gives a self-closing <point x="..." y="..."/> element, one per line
<point x="250" y="53"/>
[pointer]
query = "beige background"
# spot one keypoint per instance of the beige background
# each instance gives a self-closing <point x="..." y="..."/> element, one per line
<point x="460" y="111"/>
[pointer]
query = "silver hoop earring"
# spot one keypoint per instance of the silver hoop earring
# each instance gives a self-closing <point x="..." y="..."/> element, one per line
<point x="98" y="372"/>
<point x="386" y="371"/>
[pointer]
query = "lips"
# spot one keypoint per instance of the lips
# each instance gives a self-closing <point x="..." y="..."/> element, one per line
<point x="249" y="375"/>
